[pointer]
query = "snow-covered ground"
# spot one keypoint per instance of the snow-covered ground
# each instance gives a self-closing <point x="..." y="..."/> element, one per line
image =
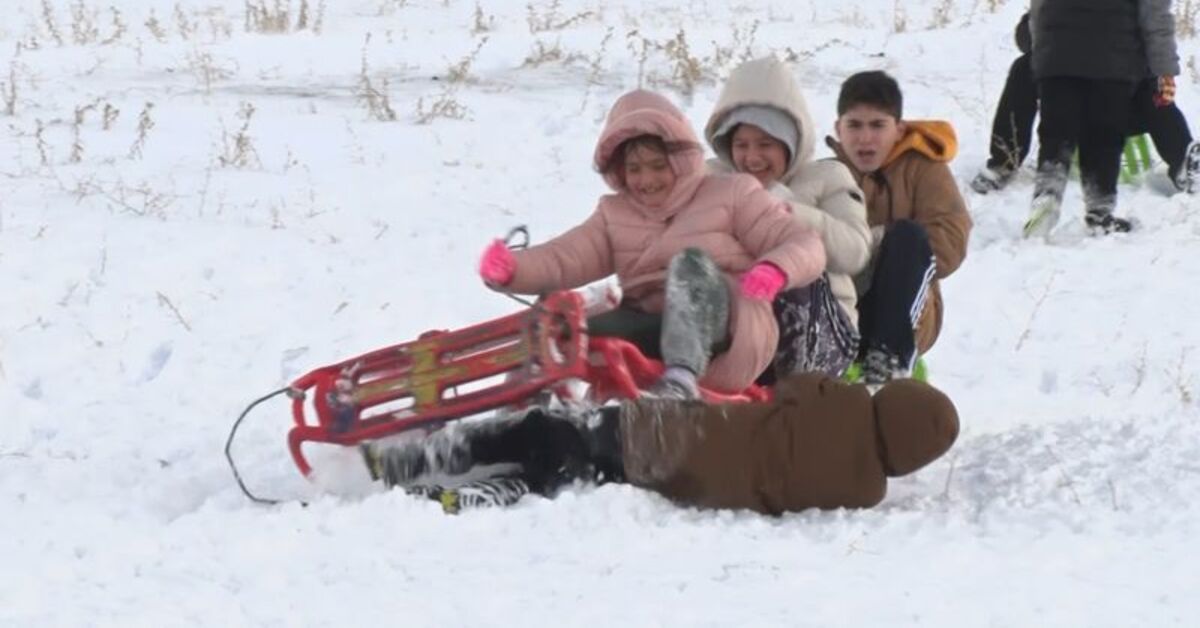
<point x="194" y="211"/>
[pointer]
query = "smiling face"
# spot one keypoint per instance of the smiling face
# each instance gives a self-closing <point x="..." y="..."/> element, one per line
<point x="648" y="176"/>
<point x="868" y="135"/>
<point x="758" y="153"/>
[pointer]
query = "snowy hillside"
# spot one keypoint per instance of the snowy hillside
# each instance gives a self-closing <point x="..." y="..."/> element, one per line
<point x="202" y="199"/>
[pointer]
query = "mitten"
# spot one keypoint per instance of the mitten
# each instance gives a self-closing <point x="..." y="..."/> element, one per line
<point x="1166" y="91"/>
<point x="763" y="281"/>
<point x="497" y="264"/>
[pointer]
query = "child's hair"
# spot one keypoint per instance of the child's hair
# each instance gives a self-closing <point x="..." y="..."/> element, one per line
<point x="874" y="89"/>
<point x="616" y="163"/>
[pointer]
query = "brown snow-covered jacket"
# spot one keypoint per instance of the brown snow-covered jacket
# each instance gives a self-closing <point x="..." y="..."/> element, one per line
<point x="915" y="183"/>
<point x="729" y="217"/>
<point x="820" y="443"/>
<point x="823" y="194"/>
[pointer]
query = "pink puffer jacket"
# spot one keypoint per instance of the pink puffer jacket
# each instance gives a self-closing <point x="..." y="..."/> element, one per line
<point x="730" y="217"/>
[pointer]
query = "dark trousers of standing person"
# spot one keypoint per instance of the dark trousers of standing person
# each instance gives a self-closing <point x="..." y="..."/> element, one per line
<point x="889" y="311"/>
<point x="1166" y="125"/>
<point x="1012" y="126"/>
<point x="1093" y="116"/>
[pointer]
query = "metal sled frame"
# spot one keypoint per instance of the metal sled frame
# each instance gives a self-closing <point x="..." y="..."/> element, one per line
<point x="447" y="375"/>
<point x="439" y="377"/>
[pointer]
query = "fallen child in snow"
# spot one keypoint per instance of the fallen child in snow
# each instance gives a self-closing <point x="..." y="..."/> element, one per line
<point x="819" y="443"/>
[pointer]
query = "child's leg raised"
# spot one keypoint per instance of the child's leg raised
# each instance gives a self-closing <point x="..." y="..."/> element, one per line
<point x="695" y="318"/>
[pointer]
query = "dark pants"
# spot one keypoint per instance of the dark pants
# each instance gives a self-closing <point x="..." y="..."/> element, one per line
<point x="550" y="451"/>
<point x="643" y="329"/>
<point x="1166" y="125"/>
<point x="1012" y="126"/>
<point x="889" y="311"/>
<point x="1093" y="116"/>
<point x="543" y="453"/>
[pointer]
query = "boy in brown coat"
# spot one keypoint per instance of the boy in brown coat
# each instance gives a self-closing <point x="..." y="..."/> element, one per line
<point x="820" y="443"/>
<point x="919" y="221"/>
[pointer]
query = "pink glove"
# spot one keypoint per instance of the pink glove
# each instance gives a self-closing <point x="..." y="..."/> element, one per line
<point x="763" y="281"/>
<point x="498" y="264"/>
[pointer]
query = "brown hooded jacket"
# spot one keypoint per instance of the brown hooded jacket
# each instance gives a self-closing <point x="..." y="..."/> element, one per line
<point x="915" y="183"/>
<point x="820" y="443"/>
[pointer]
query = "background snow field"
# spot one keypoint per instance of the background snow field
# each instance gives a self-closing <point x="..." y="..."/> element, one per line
<point x="202" y="199"/>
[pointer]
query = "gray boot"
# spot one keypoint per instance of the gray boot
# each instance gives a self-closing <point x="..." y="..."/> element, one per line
<point x="696" y="315"/>
<point x="1048" y="189"/>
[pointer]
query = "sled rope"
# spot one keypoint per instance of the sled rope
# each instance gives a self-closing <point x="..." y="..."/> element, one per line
<point x="229" y="444"/>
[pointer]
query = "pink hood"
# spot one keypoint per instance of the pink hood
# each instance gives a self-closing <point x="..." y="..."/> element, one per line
<point x="640" y="113"/>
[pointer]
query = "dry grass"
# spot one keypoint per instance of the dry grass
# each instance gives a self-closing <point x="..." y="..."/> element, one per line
<point x="551" y="18"/>
<point x="8" y="89"/>
<point x="460" y="72"/>
<point x="1186" y="14"/>
<point x="377" y="100"/>
<point x="444" y="105"/>
<point x="145" y="125"/>
<point x="281" y="17"/>
<point x="238" y="148"/>
<point x="942" y="14"/>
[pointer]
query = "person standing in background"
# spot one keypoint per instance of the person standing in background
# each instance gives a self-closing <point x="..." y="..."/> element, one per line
<point x="1088" y="58"/>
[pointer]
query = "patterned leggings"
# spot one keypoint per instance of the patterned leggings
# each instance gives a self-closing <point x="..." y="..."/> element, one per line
<point x="815" y="335"/>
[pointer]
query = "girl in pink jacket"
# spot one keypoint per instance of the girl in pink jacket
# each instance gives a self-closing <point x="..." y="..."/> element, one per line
<point x="699" y="256"/>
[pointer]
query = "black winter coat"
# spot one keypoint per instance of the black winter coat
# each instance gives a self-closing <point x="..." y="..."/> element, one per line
<point x="1125" y="40"/>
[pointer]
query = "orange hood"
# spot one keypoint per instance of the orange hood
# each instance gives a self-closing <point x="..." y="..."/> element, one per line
<point x="934" y="139"/>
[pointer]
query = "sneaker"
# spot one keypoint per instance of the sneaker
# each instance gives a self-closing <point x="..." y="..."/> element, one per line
<point x="880" y="366"/>
<point x="854" y="373"/>
<point x="1103" y="223"/>
<point x="483" y="493"/>
<point x="1188" y="178"/>
<point x="676" y="383"/>
<point x="990" y="180"/>
<point x="1043" y="215"/>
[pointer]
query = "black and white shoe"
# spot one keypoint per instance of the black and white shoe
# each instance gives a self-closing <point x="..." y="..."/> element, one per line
<point x="489" y="493"/>
<point x="880" y="366"/>
<point x="1102" y="223"/>
<point x="1188" y="178"/>
<point x="990" y="180"/>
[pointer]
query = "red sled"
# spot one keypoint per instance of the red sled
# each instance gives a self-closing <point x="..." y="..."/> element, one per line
<point x="517" y="360"/>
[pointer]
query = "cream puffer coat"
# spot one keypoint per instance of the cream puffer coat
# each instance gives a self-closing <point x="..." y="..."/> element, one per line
<point x="823" y="194"/>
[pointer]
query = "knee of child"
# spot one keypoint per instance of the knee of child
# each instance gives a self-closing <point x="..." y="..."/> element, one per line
<point x="692" y="261"/>
<point x="907" y="229"/>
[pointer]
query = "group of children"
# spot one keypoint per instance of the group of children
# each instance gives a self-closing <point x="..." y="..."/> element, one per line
<point x="761" y="264"/>
<point x="765" y="264"/>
